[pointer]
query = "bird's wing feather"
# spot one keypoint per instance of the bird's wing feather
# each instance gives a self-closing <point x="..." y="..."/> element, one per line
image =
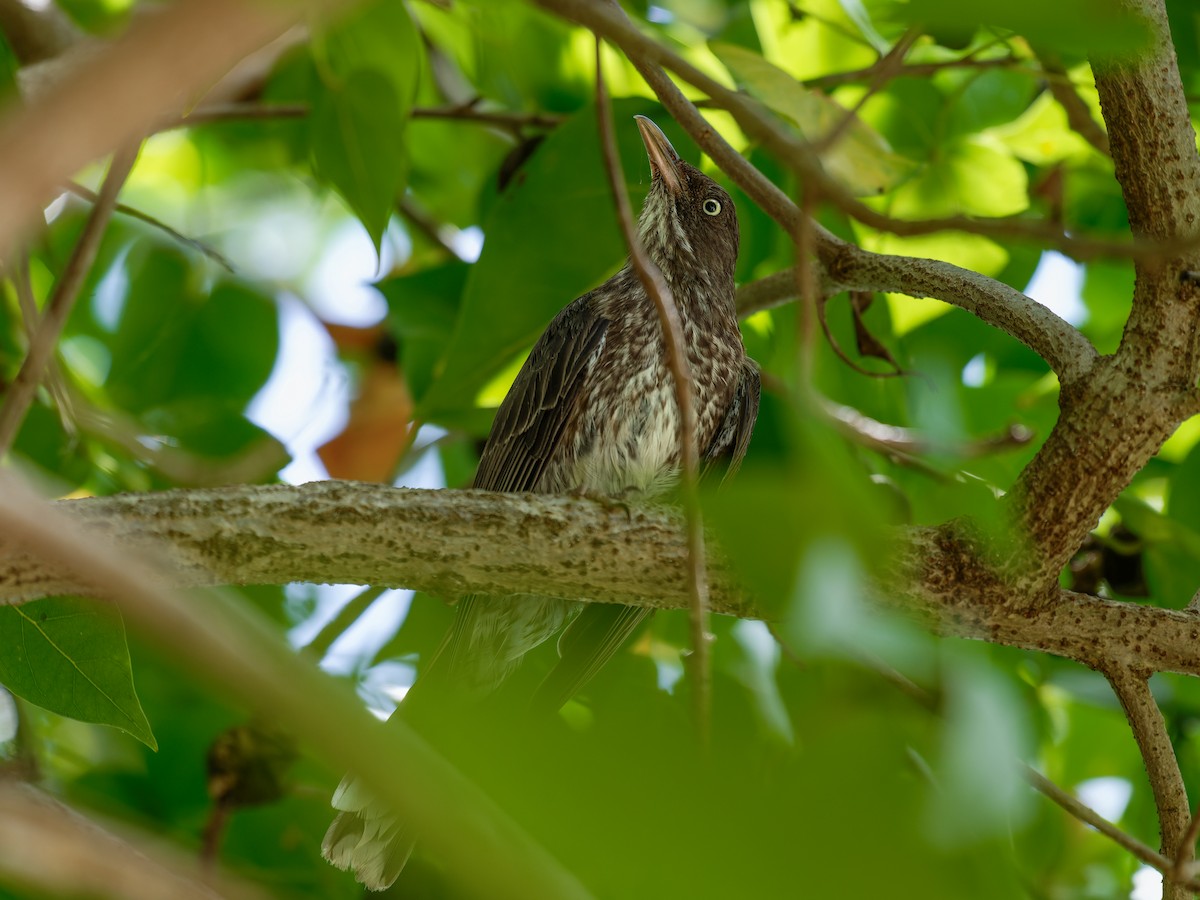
<point x="601" y="629"/>
<point x="526" y="435"/>
<point x="732" y="438"/>
<point x="530" y="422"/>
<point x="585" y="647"/>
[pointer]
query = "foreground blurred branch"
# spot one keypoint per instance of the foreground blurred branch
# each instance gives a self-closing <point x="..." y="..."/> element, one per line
<point x="237" y="651"/>
<point x="51" y="849"/>
<point x="118" y="93"/>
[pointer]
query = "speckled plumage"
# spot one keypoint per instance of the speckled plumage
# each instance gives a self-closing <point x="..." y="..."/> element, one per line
<point x="593" y="409"/>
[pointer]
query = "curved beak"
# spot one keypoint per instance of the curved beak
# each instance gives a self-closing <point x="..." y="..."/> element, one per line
<point x="664" y="161"/>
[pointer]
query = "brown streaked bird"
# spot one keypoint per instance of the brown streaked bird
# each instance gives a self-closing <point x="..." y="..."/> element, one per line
<point x="593" y="409"/>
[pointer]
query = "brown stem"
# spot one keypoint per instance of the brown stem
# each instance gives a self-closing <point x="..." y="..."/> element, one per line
<point x="91" y="196"/>
<point x="1079" y="117"/>
<point x="54" y="317"/>
<point x="672" y="330"/>
<point x="1162" y="767"/>
<point x="799" y="155"/>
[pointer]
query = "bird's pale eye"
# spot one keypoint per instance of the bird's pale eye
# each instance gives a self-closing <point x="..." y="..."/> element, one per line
<point x="711" y="207"/>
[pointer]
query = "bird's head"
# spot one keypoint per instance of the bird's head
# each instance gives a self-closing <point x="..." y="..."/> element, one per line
<point x="688" y="224"/>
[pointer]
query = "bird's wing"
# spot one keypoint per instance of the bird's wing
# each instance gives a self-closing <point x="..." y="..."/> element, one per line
<point x="530" y="422"/>
<point x="585" y="647"/>
<point x="733" y="434"/>
<point x="526" y="435"/>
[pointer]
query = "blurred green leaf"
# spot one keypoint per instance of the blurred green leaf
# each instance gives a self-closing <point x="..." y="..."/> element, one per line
<point x="357" y="138"/>
<point x="860" y="159"/>
<point x="379" y="37"/>
<point x="68" y="654"/>
<point x="422" y="310"/>
<point x="1103" y="27"/>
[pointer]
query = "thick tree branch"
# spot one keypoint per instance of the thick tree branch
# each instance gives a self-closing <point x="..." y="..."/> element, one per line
<point x="456" y="542"/>
<point x="234" y="649"/>
<point x="1110" y="427"/>
<point x="444" y="542"/>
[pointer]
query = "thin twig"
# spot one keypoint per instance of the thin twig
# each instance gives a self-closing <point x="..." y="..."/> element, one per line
<point x="1079" y="117"/>
<point x="1162" y="768"/>
<point x="55" y="381"/>
<point x="54" y="317"/>
<point x="210" y="114"/>
<point x="876" y="435"/>
<point x="88" y="194"/>
<point x="1089" y="816"/>
<point x="426" y="224"/>
<point x="910" y="70"/>
<point x="808" y="292"/>
<point x="1040" y="782"/>
<point x="672" y="331"/>
<point x="885" y="70"/>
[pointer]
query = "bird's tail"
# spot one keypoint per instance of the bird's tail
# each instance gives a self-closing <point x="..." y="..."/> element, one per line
<point x="367" y="837"/>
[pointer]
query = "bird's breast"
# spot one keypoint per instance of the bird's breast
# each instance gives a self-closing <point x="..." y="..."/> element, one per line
<point x="626" y="437"/>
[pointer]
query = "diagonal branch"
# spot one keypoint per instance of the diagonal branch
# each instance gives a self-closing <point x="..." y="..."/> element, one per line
<point x="671" y="324"/>
<point x="41" y="347"/>
<point x="155" y="68"/>
<point x="234" y="649"/>
<point x="844" y="266"/>
<point x="1162" y="766"/>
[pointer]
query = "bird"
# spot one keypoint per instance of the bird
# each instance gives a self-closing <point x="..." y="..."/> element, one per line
<point x="592" y="411"/>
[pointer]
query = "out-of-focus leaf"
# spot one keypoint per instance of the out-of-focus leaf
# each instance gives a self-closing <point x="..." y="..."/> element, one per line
<point x="857" y="12"/>
<point x="68" y="655"/>
<point x="422" y="311"/>
<point x="43" y="441"/>
<point x="230" y="347"/>
<point x="358" y="146"/>
<point x="379" y="37"/>
<point x="981" y="100"/>
<point x="970" y="177"/>
<point x="1083" y="27"/>
<point x="1041" y="135"/>
<point x="208" y="427"/>
<point x="1108" y="296"/>
<point x="985" y="732"/>
<point x="860" y="159"/>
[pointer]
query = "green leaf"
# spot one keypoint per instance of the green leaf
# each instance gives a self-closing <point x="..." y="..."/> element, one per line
<point x="1082" y="27"/>
<point x="8" y="72"/>
<point x="152" y="328"/>
<point x="550" y="237"/>
<point x="971" y="176"/>
<point x="860" y="159"/>
<point x="231" y="345"/>
<point x="422" y="310"/>
<point x="358" y="146"/>
<point x="68" y="655"/>
<point x="379" y="37"/>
